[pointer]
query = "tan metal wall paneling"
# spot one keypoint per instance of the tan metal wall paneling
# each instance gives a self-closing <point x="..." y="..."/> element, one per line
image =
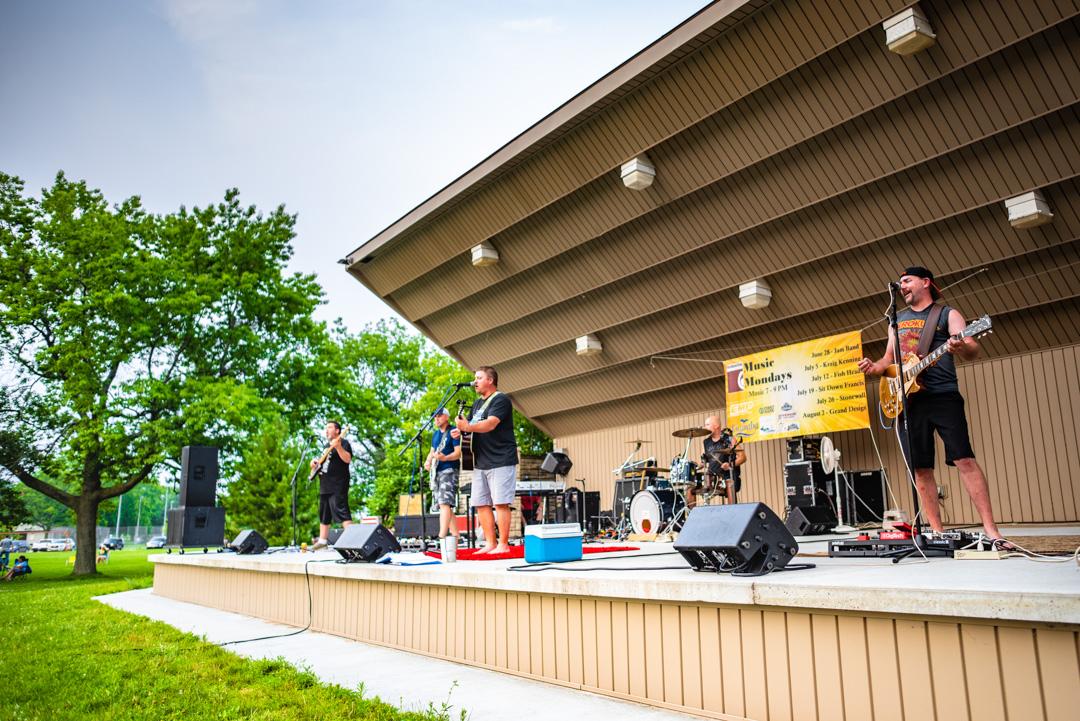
<point x="1020" y="410"/>
<point x="767" y="664"/>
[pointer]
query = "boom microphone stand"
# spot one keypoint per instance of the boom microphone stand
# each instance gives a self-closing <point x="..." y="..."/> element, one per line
<point x="417" y="439"/>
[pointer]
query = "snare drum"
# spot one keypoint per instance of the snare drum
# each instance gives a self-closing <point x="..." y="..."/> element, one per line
<point x="651" y="510"/>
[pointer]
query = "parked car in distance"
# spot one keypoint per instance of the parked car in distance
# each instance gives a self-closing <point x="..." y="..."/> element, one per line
<point x="156" y="542"/>
<point x="53" y="544"/>
<point x="114" y="543"/>
<point x="20" y="545"/>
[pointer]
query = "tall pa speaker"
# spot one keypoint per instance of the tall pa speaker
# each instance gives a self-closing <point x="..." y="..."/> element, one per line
<point x="557" y="463"/>
<point x="744" y="539"/>
<point x="249" y="542"/>
<point x="365" y="542"/>
<point x="199" y="526"/>
<point x="810" y="521"/>
<point x="198" y="476"/>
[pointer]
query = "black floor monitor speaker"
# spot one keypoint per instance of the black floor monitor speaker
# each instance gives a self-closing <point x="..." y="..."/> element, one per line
<point x="249" y="542"/>
<point x="426" y="526"/>
<point x="810" y="521"/>
<point x="198" y="476"/>
<point x="190" y="527"/>
<point x="744" y="539"/>
<point x="365" y="542"/>
<point x="557" y="463"/>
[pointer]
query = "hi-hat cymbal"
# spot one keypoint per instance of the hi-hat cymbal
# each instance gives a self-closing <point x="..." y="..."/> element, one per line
<point x="690" y="433"/>
<point x="639" y="442"/>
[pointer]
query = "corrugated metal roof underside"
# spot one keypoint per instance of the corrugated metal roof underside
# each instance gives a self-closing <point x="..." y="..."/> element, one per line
<point x="824" y="165"/>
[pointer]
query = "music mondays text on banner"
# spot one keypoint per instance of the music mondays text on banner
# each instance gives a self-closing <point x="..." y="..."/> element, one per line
<point x="801" y="389"/>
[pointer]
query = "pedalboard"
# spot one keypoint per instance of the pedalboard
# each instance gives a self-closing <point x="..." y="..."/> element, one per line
<point x="895" y="543"/>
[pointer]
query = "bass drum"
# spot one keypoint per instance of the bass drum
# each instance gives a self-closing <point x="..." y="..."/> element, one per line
<point x="652" y="509"/>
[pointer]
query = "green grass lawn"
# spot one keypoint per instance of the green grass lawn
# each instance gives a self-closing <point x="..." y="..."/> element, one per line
<point x="65" y="656"/>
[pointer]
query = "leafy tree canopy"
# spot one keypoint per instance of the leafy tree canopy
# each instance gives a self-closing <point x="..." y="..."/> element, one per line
<point x="127" y="335"/>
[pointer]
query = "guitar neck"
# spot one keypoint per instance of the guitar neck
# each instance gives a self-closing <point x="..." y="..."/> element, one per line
<point x="926" y="362"/>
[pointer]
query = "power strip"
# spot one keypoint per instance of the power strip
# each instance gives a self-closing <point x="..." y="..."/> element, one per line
<point x="972" y="555"/>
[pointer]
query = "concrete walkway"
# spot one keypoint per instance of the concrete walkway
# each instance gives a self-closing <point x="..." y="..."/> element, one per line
<point x="408" y="681"/>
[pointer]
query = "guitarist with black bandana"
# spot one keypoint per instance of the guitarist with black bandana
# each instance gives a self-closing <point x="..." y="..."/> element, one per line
<point x="938" y="406"/>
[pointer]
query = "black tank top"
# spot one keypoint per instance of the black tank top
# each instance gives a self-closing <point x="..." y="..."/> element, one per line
<point x="940" y="377"/>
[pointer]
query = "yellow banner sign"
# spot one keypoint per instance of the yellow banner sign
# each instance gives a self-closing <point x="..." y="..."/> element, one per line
<point x="797" y="390"/>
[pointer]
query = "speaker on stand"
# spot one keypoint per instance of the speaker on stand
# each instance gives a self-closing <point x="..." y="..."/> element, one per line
<point x="196" y="521"/>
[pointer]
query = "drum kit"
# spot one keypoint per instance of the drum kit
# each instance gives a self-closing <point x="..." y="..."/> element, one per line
<point x="646" y="503"/>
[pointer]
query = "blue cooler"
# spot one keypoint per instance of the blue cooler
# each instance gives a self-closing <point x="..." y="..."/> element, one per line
<point x="552" y="542"/>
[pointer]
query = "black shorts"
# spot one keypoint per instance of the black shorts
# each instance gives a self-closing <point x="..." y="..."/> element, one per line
<point x="944" y="413"/>
<point x="334" y="507"/>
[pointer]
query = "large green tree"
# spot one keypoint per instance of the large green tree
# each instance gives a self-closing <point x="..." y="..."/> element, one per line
<point x="127" y="335"/>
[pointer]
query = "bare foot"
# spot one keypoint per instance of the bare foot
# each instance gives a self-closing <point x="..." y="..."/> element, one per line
<point x="485" y="549"/>
<point x="501" y="548"/>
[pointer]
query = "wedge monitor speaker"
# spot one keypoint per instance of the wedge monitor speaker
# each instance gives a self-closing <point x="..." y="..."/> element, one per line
<point x="249" y="542"/>
<point x="365" y="542"/>
<point x="744" y="539"/>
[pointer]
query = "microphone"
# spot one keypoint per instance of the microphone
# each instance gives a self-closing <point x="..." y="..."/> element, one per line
<point x="464" y="385"/>
<point x="893" y="285"/>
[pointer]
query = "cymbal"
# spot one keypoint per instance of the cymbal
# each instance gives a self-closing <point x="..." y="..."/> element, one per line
<point x="646" y="470"/>
<point x="638" y="441"/>
<point x="690" y="433"/>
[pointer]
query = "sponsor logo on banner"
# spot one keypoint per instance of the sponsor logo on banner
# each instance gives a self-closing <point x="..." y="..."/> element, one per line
<point x="746" y="426"/>
<point x="735" y="381"/>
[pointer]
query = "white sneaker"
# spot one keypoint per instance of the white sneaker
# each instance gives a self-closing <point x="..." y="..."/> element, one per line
<point x="319" y="545"/>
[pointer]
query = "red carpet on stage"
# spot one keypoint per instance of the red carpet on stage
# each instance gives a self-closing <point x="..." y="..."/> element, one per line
<point x="469" y="554"/>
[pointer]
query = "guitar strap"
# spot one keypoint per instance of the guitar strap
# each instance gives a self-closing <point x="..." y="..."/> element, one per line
<point x="480" y="411"/>
<point x="927" y="336"/>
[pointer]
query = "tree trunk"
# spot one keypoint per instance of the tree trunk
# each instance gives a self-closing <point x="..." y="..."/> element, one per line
<point x="86" y="511"/>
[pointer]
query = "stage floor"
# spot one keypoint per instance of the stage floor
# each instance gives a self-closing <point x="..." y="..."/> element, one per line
<point x="836" y="641"/>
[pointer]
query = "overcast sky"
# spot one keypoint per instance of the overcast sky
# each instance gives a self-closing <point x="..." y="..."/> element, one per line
<point x="349" y="113"/>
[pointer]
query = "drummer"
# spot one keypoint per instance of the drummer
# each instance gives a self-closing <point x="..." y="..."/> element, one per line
<point x="717" y="456"/>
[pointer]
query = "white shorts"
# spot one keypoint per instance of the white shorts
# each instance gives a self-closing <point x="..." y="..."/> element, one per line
<point x="494" y="486"/>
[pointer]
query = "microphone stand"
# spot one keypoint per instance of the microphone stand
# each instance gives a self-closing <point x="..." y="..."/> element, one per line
<point x="292" y="487"/>
<point x="416" y="440"/>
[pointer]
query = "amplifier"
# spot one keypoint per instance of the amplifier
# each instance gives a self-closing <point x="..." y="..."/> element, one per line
<point x="864" y="501"/>
<point x="806" y="484"/>
<point x="803" y="449"/>
<point x="417" y="526"/>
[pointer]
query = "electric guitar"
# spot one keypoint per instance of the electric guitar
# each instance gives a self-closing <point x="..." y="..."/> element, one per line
<point x="467" y="458"/>
<point x="889" y="387"/>
<point x="325" y="455"/>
